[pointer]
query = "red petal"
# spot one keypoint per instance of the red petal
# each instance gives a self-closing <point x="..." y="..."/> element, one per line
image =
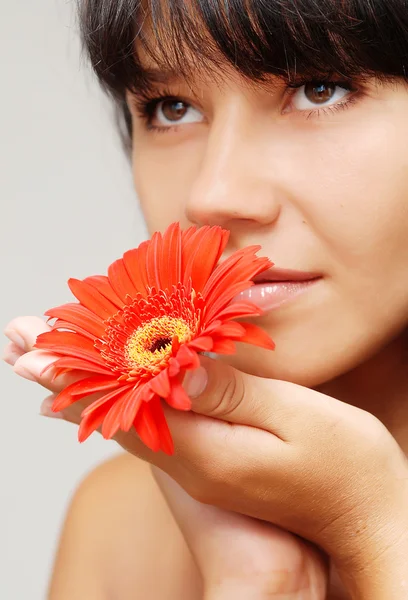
<point x="69" y="344"/>
<point x="82" y="388"/>
<point x="106" y="398"/>
<point x="219" y="304"/>
<point x="242" y="272"/>
<point x="240" y="266"/>
<point x="103" y="285"/>
<point x="205" y="251"/>
<point x="221" y="271"/>
<point x="92" y="299"/>
<point x="161" y="384"/>
<point x="94" y="419"/>
<point x="178" y="397"/>
<point x="166" y="442"/>
<point x="71" y="363"/>
<point x="112" y="420"/>
<point x="171" y="256"/>
<point x="120" y="280"/>
<point x="130" y="408"/>
<point x="190" y="241"/>
<point x="201" y="344"/>
<point x="224" y="347"/>
<point x="230" y="330"/>
<point x="57" y="373"/>
<point x="78" y="315"/>
<point x="175" y="344"/>
<point x="95" y="384"/>
<point x="146" y="428"/>
<point x="91" y="423"/>
<point x="174" y="367"/>
<point x="239" y="309"/>
<point x="257" y="336"/>
<point x="211" y="329"/>
<point x="153" y="261"/>
<point x="187" y="234"/>
<point x="135" y="263"/>
<point x="187" y="358"/>
<point x="147" y="393"/>
<point x="66" y="325"/>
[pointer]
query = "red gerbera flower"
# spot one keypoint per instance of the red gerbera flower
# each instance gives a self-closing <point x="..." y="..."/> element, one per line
<point x="138" y="330"/>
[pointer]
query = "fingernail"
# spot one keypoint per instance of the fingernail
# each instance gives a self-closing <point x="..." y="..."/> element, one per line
<point x="46" y="408"/>
<point x="195" y="382"/>
<point x="11" y="354"/>
<point x="15" y="337"/>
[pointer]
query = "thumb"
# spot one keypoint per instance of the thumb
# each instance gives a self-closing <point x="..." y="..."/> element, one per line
<point x="218" y="390"/>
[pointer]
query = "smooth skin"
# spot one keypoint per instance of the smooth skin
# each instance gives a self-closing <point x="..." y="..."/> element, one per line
<point x="302" y="438"/>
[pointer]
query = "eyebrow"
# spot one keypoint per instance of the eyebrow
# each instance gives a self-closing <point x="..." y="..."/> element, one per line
<point x="155" y="75"/>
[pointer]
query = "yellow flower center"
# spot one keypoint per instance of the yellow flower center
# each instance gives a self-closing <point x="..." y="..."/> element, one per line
<point x="152" y="341"/>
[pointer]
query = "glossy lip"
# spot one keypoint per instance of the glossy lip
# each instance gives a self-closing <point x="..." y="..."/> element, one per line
<point x="270" y="295"/>
<point x="278" y="274"/>
<point x="278" y="286"/>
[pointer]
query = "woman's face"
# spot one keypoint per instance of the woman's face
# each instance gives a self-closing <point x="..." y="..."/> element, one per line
<point x="318" y="176"/>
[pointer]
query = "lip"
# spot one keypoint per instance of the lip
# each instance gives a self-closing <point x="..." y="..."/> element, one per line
<point x="277" y="274"/>
<point x="276" y="287"/>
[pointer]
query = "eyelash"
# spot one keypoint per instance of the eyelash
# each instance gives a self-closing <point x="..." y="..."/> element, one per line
<point x="146" y="103"/>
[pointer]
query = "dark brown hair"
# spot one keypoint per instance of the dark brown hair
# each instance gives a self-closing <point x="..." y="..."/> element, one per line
<point x="258" y="38"/>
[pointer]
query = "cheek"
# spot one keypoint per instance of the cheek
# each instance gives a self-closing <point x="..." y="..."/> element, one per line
<point x="163" y="177"/>
<point x="356" y="203"/>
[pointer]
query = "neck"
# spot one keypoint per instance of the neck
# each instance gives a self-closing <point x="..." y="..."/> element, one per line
<point x="379" y="386"/>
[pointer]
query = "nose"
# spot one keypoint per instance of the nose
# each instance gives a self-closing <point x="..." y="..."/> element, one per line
<point x="236" y="182"/>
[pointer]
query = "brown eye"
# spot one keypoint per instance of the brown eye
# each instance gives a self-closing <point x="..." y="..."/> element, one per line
<point x="316" y="94"/>
<point x="173" y="110"/>
<point x="320" y="93"/>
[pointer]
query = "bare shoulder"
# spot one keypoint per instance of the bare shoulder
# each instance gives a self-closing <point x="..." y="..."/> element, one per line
<point x="119" y="536"/>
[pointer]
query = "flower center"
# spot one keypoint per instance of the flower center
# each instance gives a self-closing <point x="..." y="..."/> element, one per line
<point x="160" y="344"/>
<point x="153" y="339"/>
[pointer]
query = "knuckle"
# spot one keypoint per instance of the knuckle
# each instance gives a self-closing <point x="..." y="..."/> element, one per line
<point x="376" y="435"/>
<point x="230" y="396"/>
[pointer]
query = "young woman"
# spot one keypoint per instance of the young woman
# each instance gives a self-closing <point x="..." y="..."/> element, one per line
<point x="286" y="123"/>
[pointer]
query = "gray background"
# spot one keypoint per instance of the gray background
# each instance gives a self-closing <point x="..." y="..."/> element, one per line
<point x="67" y="209"/>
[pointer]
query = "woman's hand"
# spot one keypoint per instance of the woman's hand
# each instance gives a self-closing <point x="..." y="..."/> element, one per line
<point x="311" y="464"/>
<point x="237" y="556"/>
<point x="241" y="557"/>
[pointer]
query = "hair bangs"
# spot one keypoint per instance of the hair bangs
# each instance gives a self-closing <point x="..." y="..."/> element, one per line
<point x="257" y="38"/>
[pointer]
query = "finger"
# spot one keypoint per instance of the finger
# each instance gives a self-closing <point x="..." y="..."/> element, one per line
<point x="23" y="331"/>
<point x="32" y="364"/>
<point x="72" y="414"/>
<point x="280" y="407"/>
<point x="46" y="408"/>
<point x="220" y="391"/>
<point x="12" y="353"/>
